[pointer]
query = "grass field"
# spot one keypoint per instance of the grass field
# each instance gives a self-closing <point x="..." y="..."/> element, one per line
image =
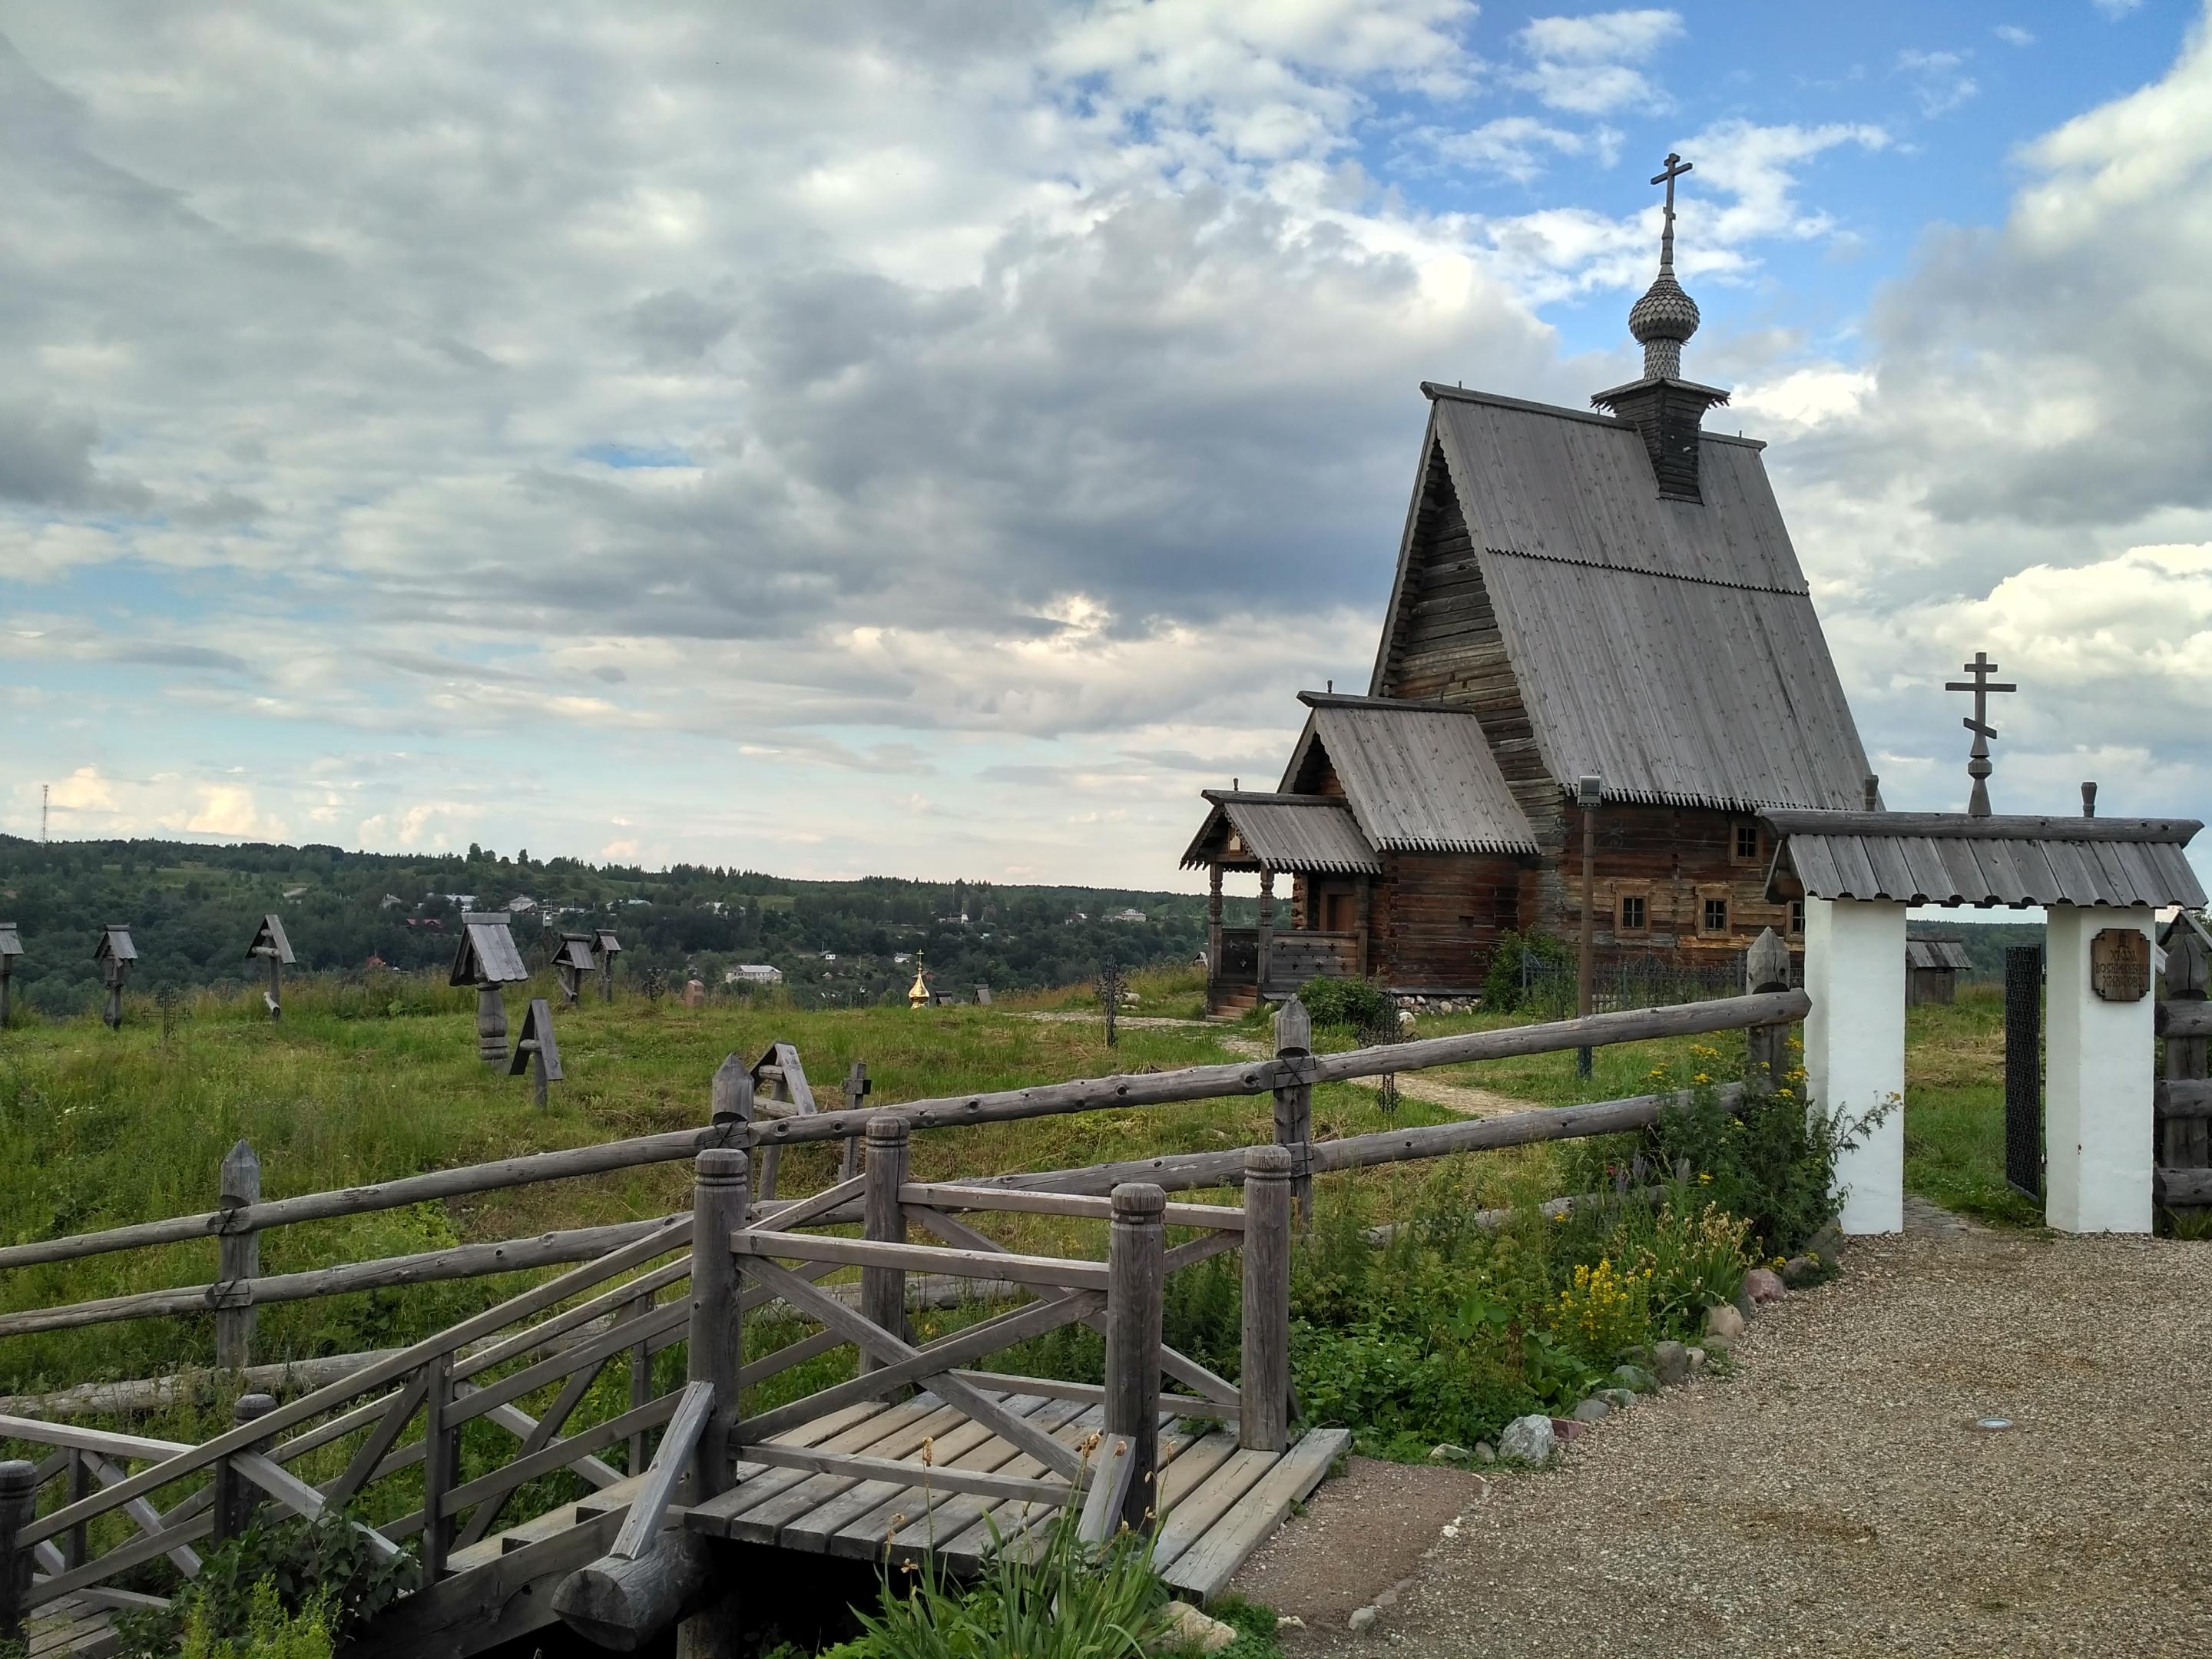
<point x="99" y="1128"/>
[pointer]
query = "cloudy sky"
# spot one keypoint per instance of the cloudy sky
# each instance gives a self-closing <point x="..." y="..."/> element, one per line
<point x="938" y="439"/>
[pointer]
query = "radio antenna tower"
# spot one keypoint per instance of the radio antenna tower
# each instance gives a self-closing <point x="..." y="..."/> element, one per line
<point x="45" y="790"/>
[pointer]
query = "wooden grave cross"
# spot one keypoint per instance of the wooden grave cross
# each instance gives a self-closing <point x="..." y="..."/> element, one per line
<point x="572" y="961"/>
<point x="114" y="953"/>
<point x="536" y="1050"/>
<point x="1978" y="763"/>
<point x="11" y="946"/>
<point x="268" y="942"/>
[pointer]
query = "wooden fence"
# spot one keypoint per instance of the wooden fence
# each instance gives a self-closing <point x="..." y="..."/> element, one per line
<point x="2182" y="1099"/>
<point x="741" y="1250"/>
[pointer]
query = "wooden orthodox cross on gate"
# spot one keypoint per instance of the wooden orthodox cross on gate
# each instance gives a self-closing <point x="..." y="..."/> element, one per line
<point x="1977" y="765"/>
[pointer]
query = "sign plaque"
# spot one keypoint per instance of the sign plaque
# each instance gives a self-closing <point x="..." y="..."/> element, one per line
<point x="2119" y="965"/>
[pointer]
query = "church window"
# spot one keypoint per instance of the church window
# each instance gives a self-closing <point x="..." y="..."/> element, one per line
<point x="1797" y="915"/>
<point x="1747" y="841"/>
<point x="1716" y="917"/>
<point x="1633" y="916"/>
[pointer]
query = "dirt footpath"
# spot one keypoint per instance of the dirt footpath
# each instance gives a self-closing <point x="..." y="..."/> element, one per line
<point x="1834" y="1496"/>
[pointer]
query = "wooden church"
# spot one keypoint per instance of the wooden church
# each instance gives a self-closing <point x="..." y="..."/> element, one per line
<point x="1594" y="611"/>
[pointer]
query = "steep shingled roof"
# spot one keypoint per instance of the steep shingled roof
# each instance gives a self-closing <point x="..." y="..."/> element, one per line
<point x="1304" y="834"/>
<point x="1671" y="646"/>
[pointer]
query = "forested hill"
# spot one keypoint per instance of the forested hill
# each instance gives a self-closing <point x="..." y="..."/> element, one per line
<point x="193" y="908"/>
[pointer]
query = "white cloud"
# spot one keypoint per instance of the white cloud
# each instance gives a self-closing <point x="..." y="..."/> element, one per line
<point x="1938" y="79"/>
<point x="1515" y="147"/>
<point x="2013" y="35"/>
<point x="1586" y="64"/>
<point x="2116" y="9"/>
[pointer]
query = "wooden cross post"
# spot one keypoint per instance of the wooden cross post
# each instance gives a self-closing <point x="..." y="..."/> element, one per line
<point x="857" y="1089"/>
<point x="239" y="1259"/>
<point x="1676" y="167"/>
<point x="1978" y="763"/>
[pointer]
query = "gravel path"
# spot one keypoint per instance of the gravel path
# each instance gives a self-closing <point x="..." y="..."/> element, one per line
<point x="1831" y="1496"/>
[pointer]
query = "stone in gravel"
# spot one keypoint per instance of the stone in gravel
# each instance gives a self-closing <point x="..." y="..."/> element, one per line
<point x="1364" y="1619"/>
<point x="1619" y="1399"/>
<point x="1448" y="1453"/>
<point x="1764" y="1285"/>
<point x="1828" y="1242"/>
<point x="1484" y="1452"/>
<point x="1526" y="1439"/>
<point x="1697" y="1360"/>
<point x="1564" y="1429"/>
<point x="1670" y="1363"/>
<point x="1634" y="1378"/>
<point x="1195" y="1631"/>
<point x="1800" y="1270"/>
<point x="1724" y="1322"/>
<point x="1592" y="1410"/>
<point x="1289" y="1621"/>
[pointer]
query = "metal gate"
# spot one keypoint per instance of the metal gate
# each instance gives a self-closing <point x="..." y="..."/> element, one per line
<point x="2024" y="1070"/>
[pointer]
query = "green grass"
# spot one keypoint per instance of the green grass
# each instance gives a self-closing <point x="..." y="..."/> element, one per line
<point x="1954" y="1108"/>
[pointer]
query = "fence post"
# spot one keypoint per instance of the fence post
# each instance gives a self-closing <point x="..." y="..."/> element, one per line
<point x="730" y="1101"/>
<point x="1766" y="1055"/>
<point x="236" y="1498"/>
<point x="1263" y="1390"/>
<point x="238" y="1257"/>
<point x="1136" y="1272"/>
<point x="491" y="1025"/>
<point x="441" y="1445"/>
<point x="857" y="1088"/>
<point x="640" y="1380"/>
<point x="1294" y="1105"/>
<point x="720" y="1178"/>
<point x="19" y="1499"/>
<point x="883" y="1289"/>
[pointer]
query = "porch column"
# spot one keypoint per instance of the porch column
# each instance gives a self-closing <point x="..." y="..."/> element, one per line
<point x="2097" y="1088"/>
<point x="1267" y="927"/>
<point x="1855" y="1050"/>
<point x="1213" y="923"/>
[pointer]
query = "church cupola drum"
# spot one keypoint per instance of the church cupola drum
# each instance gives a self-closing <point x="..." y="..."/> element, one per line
<point x="1666" y="408"/>
<point x="1606" y="594"/>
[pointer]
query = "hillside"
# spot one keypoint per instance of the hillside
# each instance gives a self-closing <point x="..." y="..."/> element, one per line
<point x="192" y="910"/>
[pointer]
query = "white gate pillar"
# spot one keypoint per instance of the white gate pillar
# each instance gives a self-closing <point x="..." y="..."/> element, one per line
<point x="1855" y="1047"/>
<point x="2097" y="1089"/>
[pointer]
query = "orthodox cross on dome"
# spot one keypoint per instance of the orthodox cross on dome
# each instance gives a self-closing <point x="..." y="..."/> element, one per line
<point x="1676" y="166"/>
<point x="1977" y="765"/>
<point x="1665" y="317"/>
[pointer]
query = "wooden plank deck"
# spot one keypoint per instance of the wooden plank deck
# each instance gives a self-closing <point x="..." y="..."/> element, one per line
<point x="1218" y="1503"/>
<point x="71" y="1626"/>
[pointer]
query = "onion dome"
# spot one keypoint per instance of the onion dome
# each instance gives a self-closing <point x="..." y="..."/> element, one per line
<point x="1661" y="321"/>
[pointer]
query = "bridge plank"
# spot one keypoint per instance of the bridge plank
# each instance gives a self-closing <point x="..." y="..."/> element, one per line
<point x="1207" y="1567"/>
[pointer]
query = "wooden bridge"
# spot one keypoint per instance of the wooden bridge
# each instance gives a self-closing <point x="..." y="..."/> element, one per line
<point x="920" y="1449"/>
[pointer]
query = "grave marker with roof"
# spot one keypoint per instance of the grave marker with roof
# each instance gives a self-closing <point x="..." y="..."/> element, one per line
<point x="572" y="961"/>
<point x="114" y="953"/>
<point x="605" y="947"/>
<point x="11" y="946"/>
<point x="536" y="1051"/>
<point x="486" y="958"/>
<point x="270" y="944"/>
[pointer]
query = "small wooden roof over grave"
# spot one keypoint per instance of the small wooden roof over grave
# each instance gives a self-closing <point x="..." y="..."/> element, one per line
<point x="575" y="951"/>
<point x="537" y="1036"/>
<point x="605" y="942"/>
<point x="270" y="936"/>
<point x="487" y="955"/>
<point x="115" y="944"/>
<point x="10" y="945"/>
<point x="1949" y="954"/>
<point x="1952" y="858"/>
<point x="1304" y="834"/>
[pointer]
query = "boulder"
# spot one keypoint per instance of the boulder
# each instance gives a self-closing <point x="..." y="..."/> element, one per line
<point x="1800" y="1271"/>
<point x="1764" y="1285"/>
<point x="1196" y="1633"/>
<point x="1620" y="1398"/>
<point x="1526" y="1439"/>
<point x="1635" y="1378"/>
<point x="1592" y="1410"/>
<point x="1697" y="1360"/>
<point x="1484" y="1452"/>
<point x="1448" y="1453"/>
<point x="1566" y="1429"/>
<point x="1364" y="1619"/>
<point x="1725" y="1322"/>
<point x="1670" y="1363"/>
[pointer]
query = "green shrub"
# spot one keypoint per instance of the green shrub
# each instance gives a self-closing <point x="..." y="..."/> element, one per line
<point x="1358" y="1004"/>
<point x="1501" y="986"/>
<point x="1772" y="1161"/>
<point x="275" y="1583"/>
<point x="1070" y="1600"/>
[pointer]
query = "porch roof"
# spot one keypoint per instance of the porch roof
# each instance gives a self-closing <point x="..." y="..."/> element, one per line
<point x="1305" y="834"/>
